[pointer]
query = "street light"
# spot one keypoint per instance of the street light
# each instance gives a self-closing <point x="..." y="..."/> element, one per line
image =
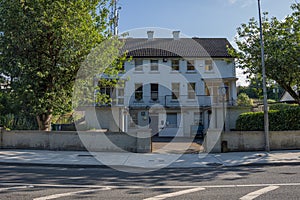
<point x="266" y="117"/>
<point x="223" y="91"/>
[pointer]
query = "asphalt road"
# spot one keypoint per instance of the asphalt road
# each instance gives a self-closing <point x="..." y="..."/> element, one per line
<point x="246" y="183"/>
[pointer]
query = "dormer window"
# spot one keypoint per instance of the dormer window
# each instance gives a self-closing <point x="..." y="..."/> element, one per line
<point x="190" y="65"/>
<point x="175" y="65"/>
<point x="208" y="65"/>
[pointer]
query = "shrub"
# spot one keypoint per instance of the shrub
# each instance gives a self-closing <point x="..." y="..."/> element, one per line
<point x="244" y="100"/>
<point x="21" y="122"/>
<point x="279" y="120"/>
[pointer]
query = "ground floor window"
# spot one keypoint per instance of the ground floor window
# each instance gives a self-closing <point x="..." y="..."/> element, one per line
<point x="198" y="118"/>
<point x="172" y="120"/>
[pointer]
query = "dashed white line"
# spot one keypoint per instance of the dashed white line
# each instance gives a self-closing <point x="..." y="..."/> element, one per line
<point x="55" y="196"/>
<point x="175" y="194"/>
<point x="15" y="188"/>
<point x="257" y="193"/>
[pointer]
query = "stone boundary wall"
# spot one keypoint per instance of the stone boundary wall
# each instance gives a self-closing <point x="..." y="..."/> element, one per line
<point x="138" y="141"/>
<point x="254" y="140"/>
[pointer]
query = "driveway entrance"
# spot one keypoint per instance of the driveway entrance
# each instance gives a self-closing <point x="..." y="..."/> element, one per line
<point x="177" y="145"/>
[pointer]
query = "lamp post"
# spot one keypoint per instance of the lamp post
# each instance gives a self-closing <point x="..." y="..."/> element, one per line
<point x="266" y="117"/>
<point x="222" y="91"/>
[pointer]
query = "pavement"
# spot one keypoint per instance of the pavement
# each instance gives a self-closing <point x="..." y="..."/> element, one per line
<point x="148" y="160"/>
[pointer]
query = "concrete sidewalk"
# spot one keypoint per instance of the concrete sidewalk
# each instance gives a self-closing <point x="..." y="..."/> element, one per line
<point x="151" y="161"/>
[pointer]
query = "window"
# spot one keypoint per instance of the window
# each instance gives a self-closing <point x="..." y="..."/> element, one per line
<point x="108" y="93"/>
<point x="138" y="65"/>
<point x="172" y="120"/>
<point x="154" y="65"/>
<point x="138" y="91"/>
<point x="175" y="90"/>
<point x="208" y="65"/>
<point x="154" y="91"/>
<point x="207" y="92"/>
<point x="121" y="96"/>
<point x="190" y="65"/>
<point x="191" y="90"/>
<point x="175" y="65"/>
<point x="198" y="118"/>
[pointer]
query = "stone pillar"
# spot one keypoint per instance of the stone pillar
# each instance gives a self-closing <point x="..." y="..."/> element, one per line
<point x="212" y="141"/>
<point x="143" y="140"/>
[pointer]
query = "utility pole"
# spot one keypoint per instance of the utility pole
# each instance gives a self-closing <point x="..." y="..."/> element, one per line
<point x="266" y="117"/>
<point x="115" y="14"/>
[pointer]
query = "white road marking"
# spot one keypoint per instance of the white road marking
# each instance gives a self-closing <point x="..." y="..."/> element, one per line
<point x="257" y="193"/>
<point x="175" y="194"/>
<point x="55" y="196"/>
<point x="15" y="188"/>
<point x="146" y="187"/>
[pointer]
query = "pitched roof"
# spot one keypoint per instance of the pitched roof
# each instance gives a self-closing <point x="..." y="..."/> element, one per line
<point x="183" y="47"/>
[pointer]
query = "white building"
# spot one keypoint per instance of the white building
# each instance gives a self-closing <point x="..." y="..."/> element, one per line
<point x="172" y="86"/>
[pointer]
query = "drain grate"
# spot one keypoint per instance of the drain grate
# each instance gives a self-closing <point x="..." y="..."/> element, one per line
<point x="85" y="155"/>
<point x="214" y="164"/>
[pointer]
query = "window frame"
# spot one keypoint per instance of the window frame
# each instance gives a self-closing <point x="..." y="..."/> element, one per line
<point x="154" y="93"/>
<point x="208" y="65"/>
<point x="190" y="66"/>
<point x="191" y="90"/>
<point x="138" y="65"/>
<point x="173" y="65"/>
<point x="154" y="65"/>
<point x="138" y="92"/>
<point x="175" y="93"/>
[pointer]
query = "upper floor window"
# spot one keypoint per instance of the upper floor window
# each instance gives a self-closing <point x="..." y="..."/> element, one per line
<point x="121" y="96"/>
<point x="154" y="65"/>
<point x="175" y="65"/>
<point x="191" y="90"/>
<point x="138" y="91"/>
<point x="208" y="65"/>
<point x="154" y="91"/>
<point x="138" y="65"/>
<point x="175" y="90"/>
<point x="190" y="65"/>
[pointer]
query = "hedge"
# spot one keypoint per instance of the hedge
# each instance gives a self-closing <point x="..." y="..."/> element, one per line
<point x="282" y="106"/>
<point x="279" y="120"/>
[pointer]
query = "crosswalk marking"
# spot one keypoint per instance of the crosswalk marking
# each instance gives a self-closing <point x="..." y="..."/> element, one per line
<point x="257" y="193"/>
<point x="174" y="194"/>
<point x="55" y="196"/>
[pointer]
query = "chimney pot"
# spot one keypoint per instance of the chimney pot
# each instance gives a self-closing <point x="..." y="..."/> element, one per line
<point x="150" y="35"/>
<point x="176" y="35"/>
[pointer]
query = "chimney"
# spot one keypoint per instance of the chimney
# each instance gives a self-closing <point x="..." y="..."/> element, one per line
<point x="176" y="35"/>
<point x="150" y="35"/>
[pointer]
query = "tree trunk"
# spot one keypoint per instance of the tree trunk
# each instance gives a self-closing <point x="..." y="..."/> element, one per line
<point x="44" y="121"/>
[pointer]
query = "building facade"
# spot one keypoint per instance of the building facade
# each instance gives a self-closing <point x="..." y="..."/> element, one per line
<point x="171" y="85"/>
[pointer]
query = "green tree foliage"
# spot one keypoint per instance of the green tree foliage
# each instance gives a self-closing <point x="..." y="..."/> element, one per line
<point x="42" y="44"/>
<point x="244" y="100"/>
<point x="282" y="50"/>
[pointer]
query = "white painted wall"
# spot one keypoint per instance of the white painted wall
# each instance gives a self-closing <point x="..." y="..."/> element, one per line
<point x="165" y="77"/>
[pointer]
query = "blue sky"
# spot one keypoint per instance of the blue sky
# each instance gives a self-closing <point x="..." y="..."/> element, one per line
<point x="201" y="18"/>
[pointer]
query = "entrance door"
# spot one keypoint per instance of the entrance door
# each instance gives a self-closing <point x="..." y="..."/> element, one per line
<point x="154" y="124"/>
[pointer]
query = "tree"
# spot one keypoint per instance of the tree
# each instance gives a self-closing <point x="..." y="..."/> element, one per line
<point x="282" y="50"/>
<point x="42" y="44"/>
